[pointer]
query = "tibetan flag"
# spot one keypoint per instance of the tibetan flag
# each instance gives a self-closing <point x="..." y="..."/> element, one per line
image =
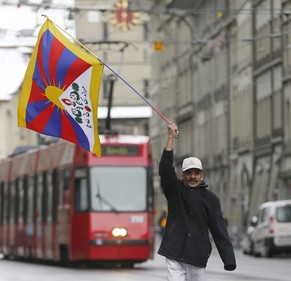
<point x="60" y="90"/>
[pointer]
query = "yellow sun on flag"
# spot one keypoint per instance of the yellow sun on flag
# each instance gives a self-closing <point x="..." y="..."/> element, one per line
<point x="53" y="93"/>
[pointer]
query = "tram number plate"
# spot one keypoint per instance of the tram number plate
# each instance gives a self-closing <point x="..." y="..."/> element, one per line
<point x="137" y="218"/>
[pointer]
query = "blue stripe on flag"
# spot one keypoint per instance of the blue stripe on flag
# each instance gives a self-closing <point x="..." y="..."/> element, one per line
<point x="81" y="136"/>
<point x="33" y="109"/>
<point x="64" y="63"/>
<point x="54" y="126"/>
<point x="47" y="40"/>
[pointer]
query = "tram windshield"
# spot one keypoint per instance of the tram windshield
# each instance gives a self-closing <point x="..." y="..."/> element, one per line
<point x="118" y="189"/>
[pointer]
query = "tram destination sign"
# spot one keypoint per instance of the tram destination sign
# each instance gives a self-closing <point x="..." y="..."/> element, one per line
<point x="122" y="150"/>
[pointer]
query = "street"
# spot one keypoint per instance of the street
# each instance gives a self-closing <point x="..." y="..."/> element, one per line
<point x="249" y="268"/>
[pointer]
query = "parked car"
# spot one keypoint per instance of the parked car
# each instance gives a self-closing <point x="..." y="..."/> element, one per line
<point x="271" y="234"/>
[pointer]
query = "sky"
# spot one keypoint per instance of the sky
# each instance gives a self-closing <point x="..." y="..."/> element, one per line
<point x="19" y="27"/>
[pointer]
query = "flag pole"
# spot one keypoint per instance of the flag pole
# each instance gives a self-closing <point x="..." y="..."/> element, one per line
<point x="114" y="72"/>
<point x="131" y="87"/>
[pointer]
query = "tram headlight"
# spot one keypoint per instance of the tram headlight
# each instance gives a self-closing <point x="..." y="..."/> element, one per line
<point x="119" y="232"/>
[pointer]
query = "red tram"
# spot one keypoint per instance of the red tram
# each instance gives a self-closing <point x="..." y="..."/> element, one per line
<point x="61" y="203"/>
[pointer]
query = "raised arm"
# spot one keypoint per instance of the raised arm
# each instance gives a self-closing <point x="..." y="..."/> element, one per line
<point x="172" y="132"/>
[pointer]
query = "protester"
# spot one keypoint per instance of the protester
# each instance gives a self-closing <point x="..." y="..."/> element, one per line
<point x="193" y="211"/>
<point x="163" y="221"/>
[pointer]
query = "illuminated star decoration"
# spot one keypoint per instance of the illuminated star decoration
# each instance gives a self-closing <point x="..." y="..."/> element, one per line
<point x="122" y="18"/>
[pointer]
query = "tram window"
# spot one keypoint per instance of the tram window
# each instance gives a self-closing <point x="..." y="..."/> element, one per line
<point x="16" y="200"/>
<point x="35" y="198"/>
<point x="5" y="203"/>
<point x="150" y="189"/>
<point x="11" y="203"/>
<point x="1" y="202"/>
<point x="55" y="183"/>
<point x="131" y="196"/>
<point x="29" y="204"/>
<point x="81" y="198"/>
<point x="49" y="196"/>
<point x="64" y="184"/>
<point x="61" y="189"/>
<point x="25" y="198"/>
<point x="19" y="194"/>
<point x="44" y="197"/>
<point x="39" y="191"/>
<point x="81" y="195"/>
<point x="20" y="199"/>
<point x="66" y="179"/>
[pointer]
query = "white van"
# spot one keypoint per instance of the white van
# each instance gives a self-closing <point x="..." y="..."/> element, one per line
<point x="272" y="229"/>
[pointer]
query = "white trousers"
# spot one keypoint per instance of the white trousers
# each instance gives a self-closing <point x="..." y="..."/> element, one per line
<point x="178" y="271"/>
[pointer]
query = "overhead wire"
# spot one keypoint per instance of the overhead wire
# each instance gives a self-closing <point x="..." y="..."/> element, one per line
<point x="157" y="11"/>
<point x="201" y="11"/>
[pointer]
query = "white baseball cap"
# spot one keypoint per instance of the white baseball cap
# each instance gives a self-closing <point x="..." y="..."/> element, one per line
<point x="191" y="163"/>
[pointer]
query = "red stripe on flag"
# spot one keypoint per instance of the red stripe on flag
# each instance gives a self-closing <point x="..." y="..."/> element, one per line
<point x="40" y="59"/>
<point x="76" y="69"/>
<point x="56" y="51"/>
<point x="39" y="122"/>
<point x="68" y="131"/>
<point x="36" y="94"/>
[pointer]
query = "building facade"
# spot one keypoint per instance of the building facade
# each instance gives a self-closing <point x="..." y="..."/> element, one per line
<point x="221" y="70"/>
<point x="224" y="78"/>
<point x="120" y="39"/>
<point x="12" y="136"/>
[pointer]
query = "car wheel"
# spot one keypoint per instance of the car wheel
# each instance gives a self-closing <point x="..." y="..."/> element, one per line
<point x="252" y="252"/>
<point x="255" y="253"/>
<point x="268" y="249"/>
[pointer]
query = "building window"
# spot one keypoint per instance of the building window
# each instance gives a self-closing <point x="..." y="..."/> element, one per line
<point x="146" y="88"/>
<point x="105" y="31"/>
<point x="145" y="31"/>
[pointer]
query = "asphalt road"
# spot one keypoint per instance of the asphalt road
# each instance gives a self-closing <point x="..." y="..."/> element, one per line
<point x="249" y="268"/>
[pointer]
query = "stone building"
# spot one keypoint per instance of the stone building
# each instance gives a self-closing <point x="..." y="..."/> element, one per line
<point x="220" y="70"/>
<point x="11" y="136"/>
<point x="120" y="39"/>
<point x="224" y="78"/>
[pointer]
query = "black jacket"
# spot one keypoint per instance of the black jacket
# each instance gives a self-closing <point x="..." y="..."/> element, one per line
<point x="191" y="213"/>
